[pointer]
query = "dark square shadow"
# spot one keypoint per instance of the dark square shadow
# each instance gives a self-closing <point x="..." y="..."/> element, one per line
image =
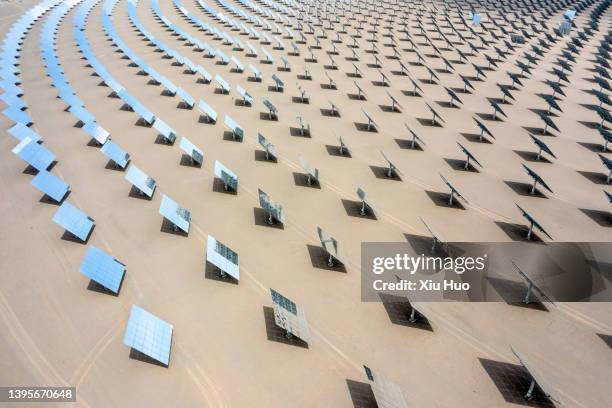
<point x="592" y="125"/>
<point x="30" y="170"/>
<point x="301" y="180"/>
<point x="265" y="116"/>
<point x="603" y="218"/>
<point x="219" y="187"/>
<point x="168" y="227"/>
<point x="330" y="113"/>
<point x="363" y="127"/>
<point x="380" y="83"/>
<point x="552" y="113"/>
<point x="296" y="132"/>
<point x="512" y="381"/>
<point x="475" y="138"/>
<point x="594" y="177"/>
<point x="329" y="87"/>
<point x="260" y="155"/>
<point x="594" y="147"/>
<point x="398" y="309"/>
<point x="606" y="339"/>
<point x="538" y="131"/>
<point x="513" y="293"/>
<point x="518" y="232"/>
<point x="277" y="334"/>
<point x="353" y="209"/>
<point x="297" y="99"/>
<point x="407" y="144"/>
<point x="524" y="189"/>
<point x="213" y="273"/>
<point x="428" y="81"/>
<point x="389" y="109"/>
<point x="229" y="137"/>
<point x="241" y="102"/>
<point x="69" y="236"/>
<point x="137" y="355"/>
<point x="361" y="394"/>
<point x="184" y="105"/>
<point x="48" y="200"/>
<point x="459" y="165"/>
<point x="489" y="117"/>
<point x="381" y="173"/>
<point x="96" y="287"/>
<point x="447" y="104"/>
<point x="411" y="93"/>
<point x="261" y="219"/>
<point x="187" y="162"/>
<point x="429" y="122"/>
<point x="356" y="97"/>
<point x="462" y="90"/>
<point x="110" y="165"/>
<point x="275" y="89"/>
<point x="441" y="200"/>
<point x="335" y="151"/>
<point x="319" y="258"/>
<point x="531" y="156"/>
<point x="135" y="193"/>
<point x="423" y="245"/>
<point x="160" y="140"/>
<point x="206" y="119"/>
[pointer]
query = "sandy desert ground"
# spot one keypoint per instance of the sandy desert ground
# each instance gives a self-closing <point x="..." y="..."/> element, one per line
<point x="226" y="351"/>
